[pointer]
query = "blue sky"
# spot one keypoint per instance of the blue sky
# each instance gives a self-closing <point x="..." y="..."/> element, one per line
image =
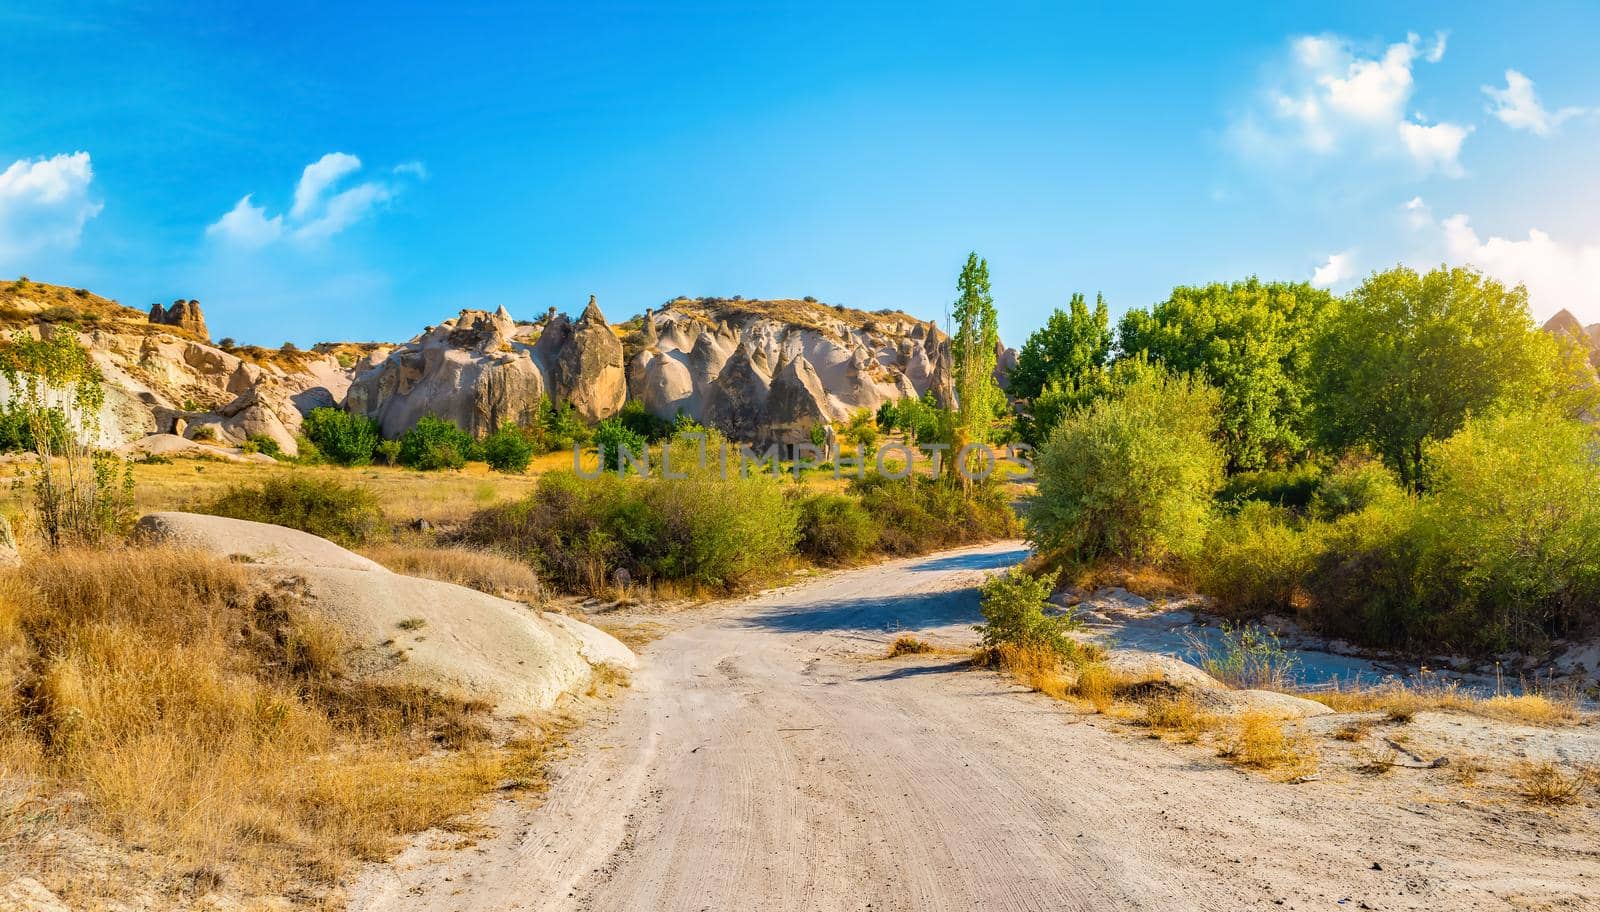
<point x="401" y="163"/>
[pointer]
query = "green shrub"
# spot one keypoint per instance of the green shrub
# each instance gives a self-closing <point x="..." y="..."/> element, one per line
<point x="17" y="423"/>
<point x="508" y="449"/>
<point x="635" y="418"/>
<point x="434" y="443"/>
<point x="1013" y="614"/>
<point x="340" y="436"/>
<point x="836" y="529"/>
<point x="1354" y="485"/>
<point x="1292" y="487"/>
<point x="611" y="439"/>
<point x="1362" y="580"/>
<point x="387" y="452"/>
<point x="577" y="531"/>
<point x="1131" y="476"/>
<point x="1256" y="560"/>
<point x="205" y="433"/>
<point x="261" y="443"/>
<point x="560" y="427"/>
<point x="918" y="514"/>
<point x="347" y="514"/>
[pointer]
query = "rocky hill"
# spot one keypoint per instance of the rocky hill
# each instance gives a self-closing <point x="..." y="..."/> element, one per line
<point x="1565" y="324"/>
<point x="761" y="371"/>
<point x="166" y="377"/>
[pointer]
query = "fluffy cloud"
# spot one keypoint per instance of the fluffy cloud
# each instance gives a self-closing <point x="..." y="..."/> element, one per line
<point x="1558" y="275"/>
<point x="44" y="203"/>
<point x="1340" y="266"/>
<point x="1518" y="106"/>
<point x="320" y="208"/>
<point x="1333" y="101"/>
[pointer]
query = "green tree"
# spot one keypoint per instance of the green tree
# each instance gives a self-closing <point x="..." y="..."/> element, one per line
<point x="1408" y="357"/>
<point x="1132" y="476"/>
<point x="1072" y="343"/>
<point x="1252" y="340"/>
<point x="977" y="334"/>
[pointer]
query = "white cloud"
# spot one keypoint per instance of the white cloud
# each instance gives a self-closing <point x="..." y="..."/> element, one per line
<point x="1435" y="146"/>
<point x="1339" y="267"/>
<point x="1518" y="106"/>
<point x="318" y="177"/>
<point x="247" y="225"/>
<point x="1336" y="101"/>
<point x="414" y="168"/>
<point x="44" y="203"/>
<point x="320" y="209"/>
<point x="1558" y="275"/>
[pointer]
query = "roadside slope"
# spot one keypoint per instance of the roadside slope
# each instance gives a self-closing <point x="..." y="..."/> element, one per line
<point x="767" y="761"/>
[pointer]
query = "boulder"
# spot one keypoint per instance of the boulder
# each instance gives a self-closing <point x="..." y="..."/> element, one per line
<point x="405" y="630"/>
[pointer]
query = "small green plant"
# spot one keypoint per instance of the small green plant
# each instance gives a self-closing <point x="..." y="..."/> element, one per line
<point x="1013" y="614"/>
<point x="347" y="514"/>
<point x="205" y="433"/>
<point x="261" y="443"/>
<point x="1246" y="655"/>
<point x="388" y="452"/>
<point x="435" y="443"/>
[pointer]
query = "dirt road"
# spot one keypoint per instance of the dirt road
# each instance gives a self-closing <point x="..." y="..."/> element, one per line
<point x="769" y="759"/>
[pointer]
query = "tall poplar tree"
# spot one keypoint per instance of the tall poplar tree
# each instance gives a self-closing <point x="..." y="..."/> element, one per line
<point x="977" y="334"/>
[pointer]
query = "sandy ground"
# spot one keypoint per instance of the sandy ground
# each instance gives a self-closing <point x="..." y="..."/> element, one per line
<point x="768" y="759"/>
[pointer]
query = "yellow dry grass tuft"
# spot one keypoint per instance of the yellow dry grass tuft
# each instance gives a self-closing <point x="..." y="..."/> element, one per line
<point x="1179" y="715"/>
<point x="1546" y="783"/>
<point x="1260" y="742"/>
<point x="906" y="644"/>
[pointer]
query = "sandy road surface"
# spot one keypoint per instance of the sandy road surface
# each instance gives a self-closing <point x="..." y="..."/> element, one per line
<point x="766" y="759"/>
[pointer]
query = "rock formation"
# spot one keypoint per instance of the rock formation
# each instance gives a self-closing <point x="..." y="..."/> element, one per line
<point x="479" y="372"/>
<point x="1565" y="325"/>
<point x="185" y="315"/>
<point x="768" y="371"/>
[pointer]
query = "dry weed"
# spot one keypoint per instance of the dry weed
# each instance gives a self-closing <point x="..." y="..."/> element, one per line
<point x="1258" y="741"/>
<point x="906" y="644"/>
<point x="1545" y="783"/>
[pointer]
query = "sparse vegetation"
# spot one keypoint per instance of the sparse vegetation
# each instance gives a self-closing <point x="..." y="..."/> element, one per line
<point x="485" y="571"/>
<point x="1261" y="742"/>
<point x="344" y="513"/>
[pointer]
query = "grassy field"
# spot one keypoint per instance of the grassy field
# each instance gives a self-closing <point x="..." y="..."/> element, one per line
<point x="404" y="494"/>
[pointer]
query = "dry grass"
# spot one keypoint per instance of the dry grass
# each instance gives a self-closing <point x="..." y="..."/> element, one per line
<point x="1180" y="716"/>
<point x="906" y="644"/>
<point x="1260" y="742"/>
<point x="1082" y="677"/>
<point x="440" y="497"/>
<point x="635" y="636"/>
<point x="1357" y="730"/>
<point x="1546" y="783"/>
<point x="1400" y="703"/>
<point x="485" y="571"/>
<point x="212" y="725"/>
